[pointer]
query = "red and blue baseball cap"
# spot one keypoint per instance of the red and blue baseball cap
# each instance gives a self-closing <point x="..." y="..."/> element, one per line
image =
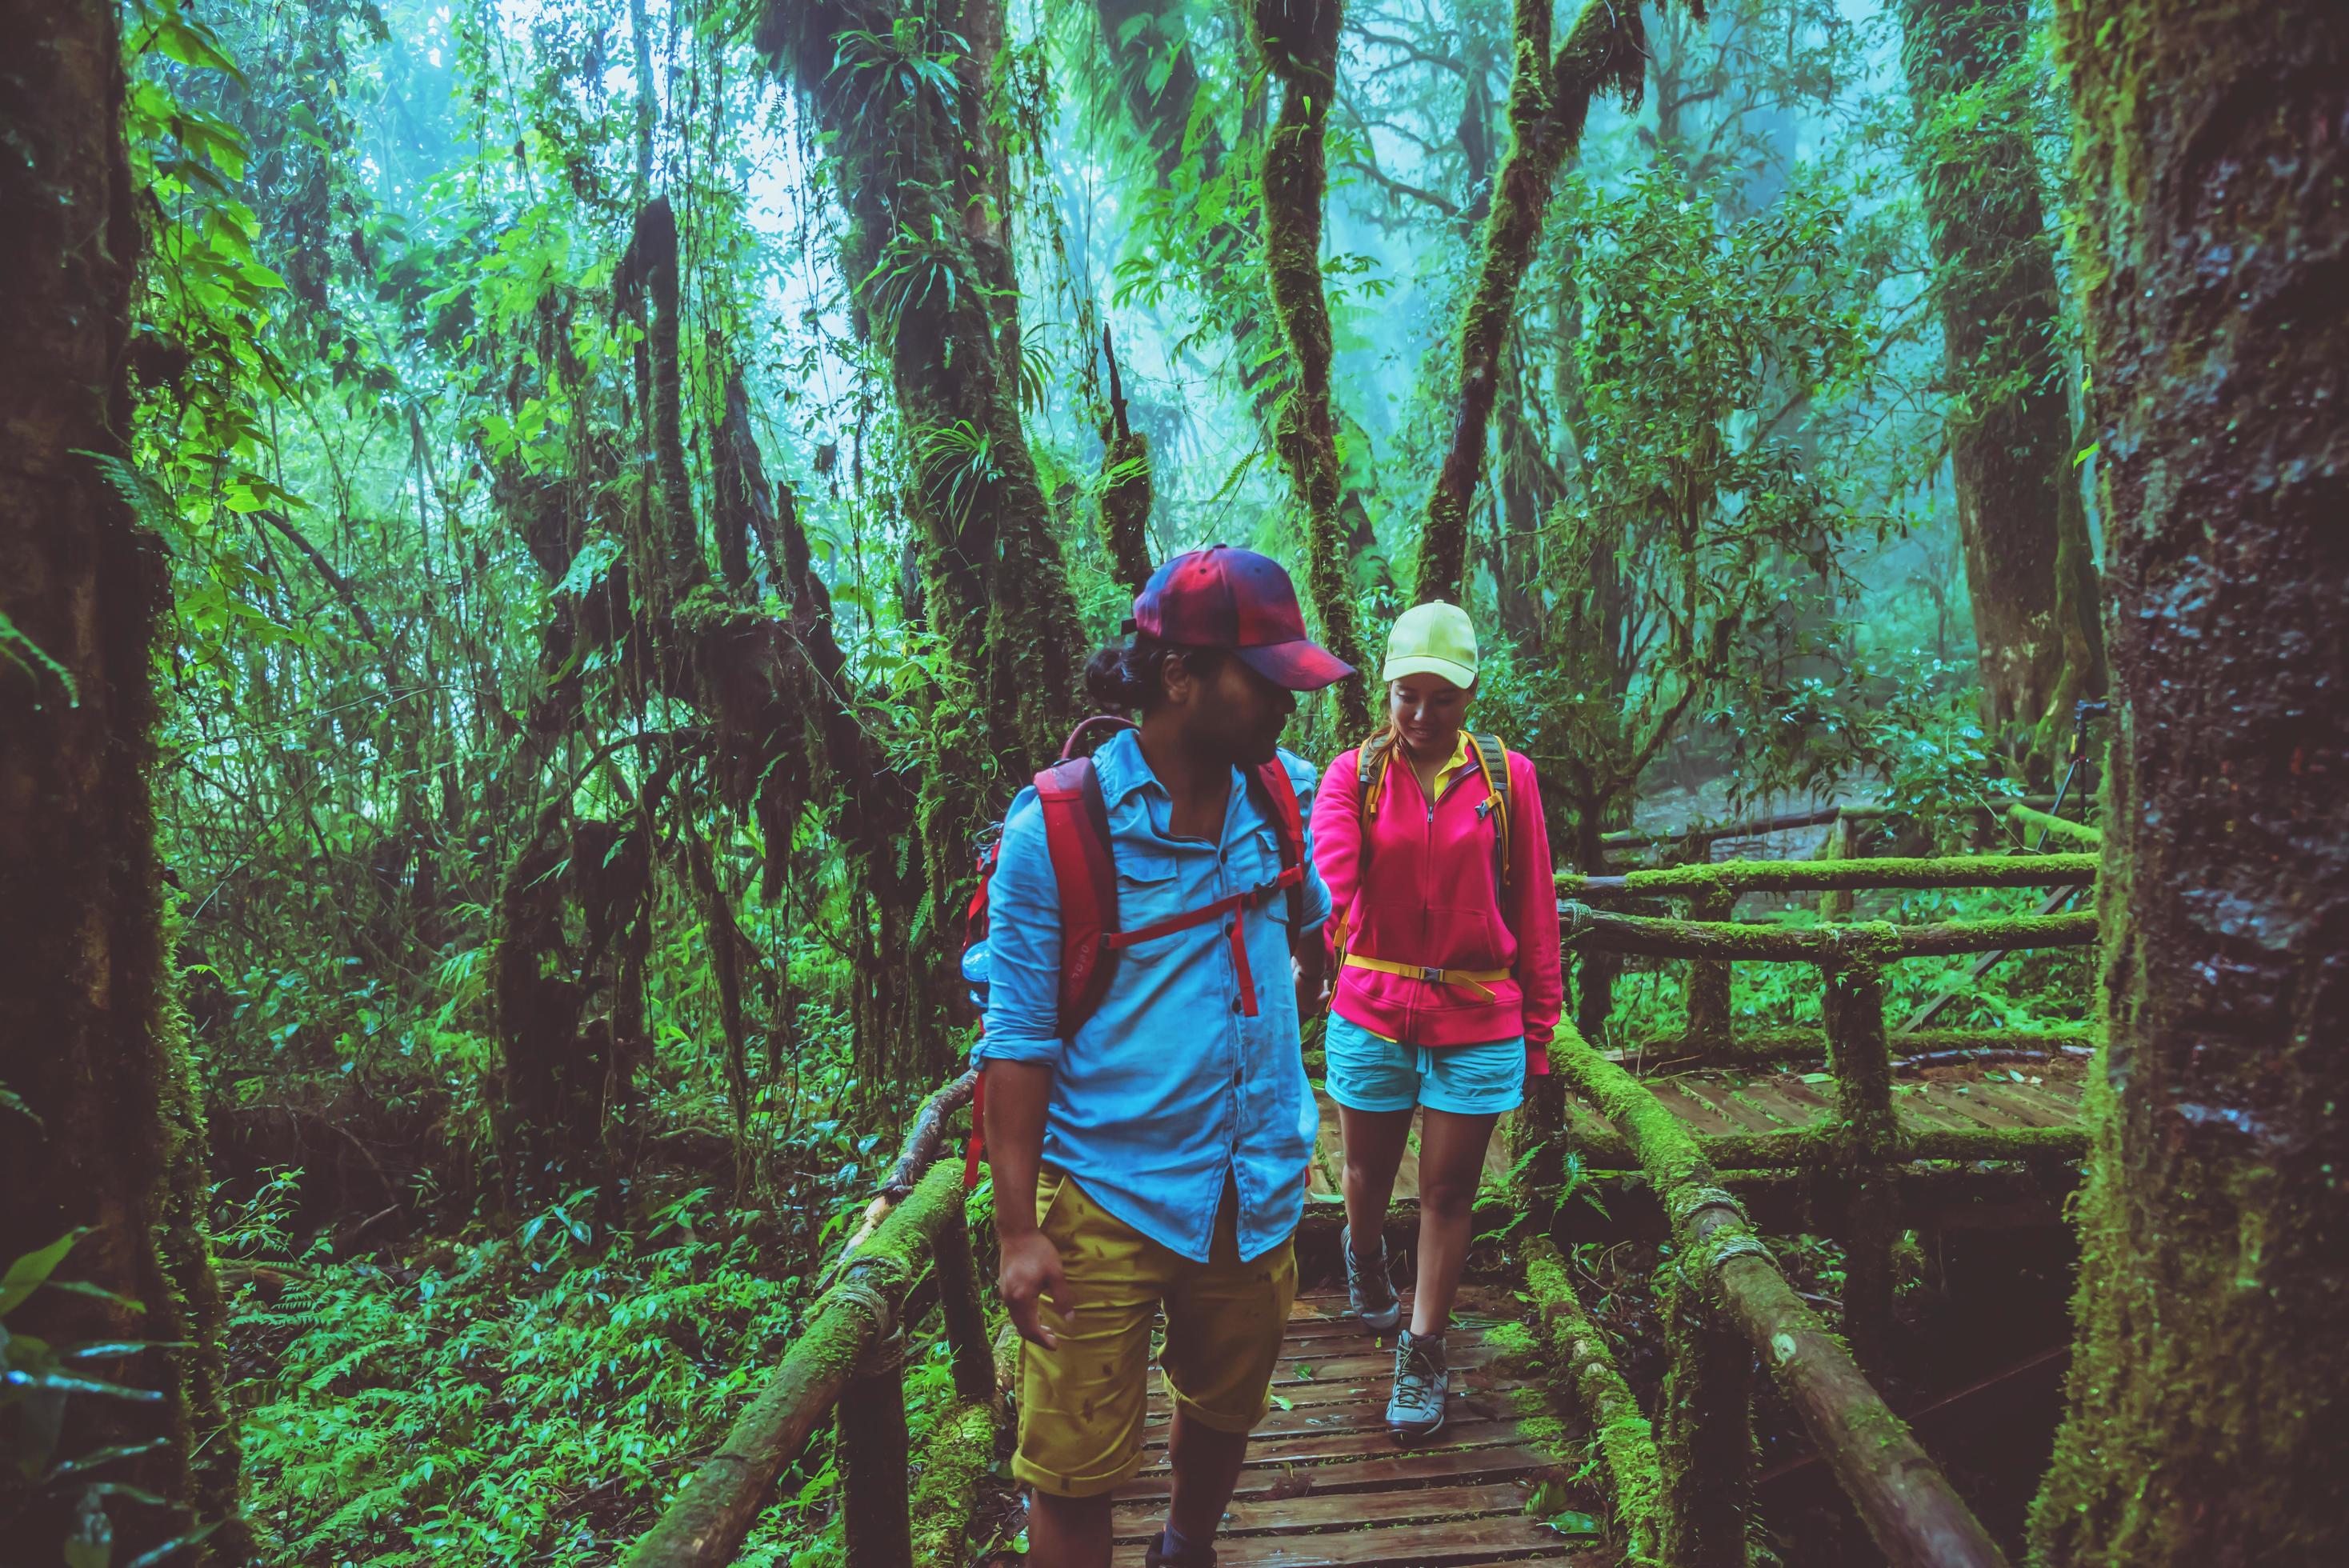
<point x="1221" y="597"/>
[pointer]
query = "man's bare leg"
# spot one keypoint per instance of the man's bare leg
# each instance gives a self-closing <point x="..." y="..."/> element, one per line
<point x="1069" y="1531"/>
<point x="1206" y="1466"/>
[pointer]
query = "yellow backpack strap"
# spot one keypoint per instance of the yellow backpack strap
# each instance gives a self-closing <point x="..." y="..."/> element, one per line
<point x="1370" y="765"/>
<point x="1493" y="758"/>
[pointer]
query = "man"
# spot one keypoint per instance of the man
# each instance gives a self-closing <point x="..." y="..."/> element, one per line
<point x="1155" y="1154"/>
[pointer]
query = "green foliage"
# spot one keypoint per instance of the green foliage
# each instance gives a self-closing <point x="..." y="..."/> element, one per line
<point x="390" y="431"/>
<point x="37" y="1380"/>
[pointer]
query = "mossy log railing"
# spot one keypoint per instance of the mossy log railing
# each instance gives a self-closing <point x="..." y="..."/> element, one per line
<point x="848" y="1363"/>
<point x="1877" y="941"/>
<point x="2023" y="816"/>
<point x="1727" y="1285"/>
<point x="1736" y="877"/>
<point x="1755" y="827"/>
<point x="1909" y="1507"/>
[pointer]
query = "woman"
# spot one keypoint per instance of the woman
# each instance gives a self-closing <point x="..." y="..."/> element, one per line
<point x="1444" y="922"/>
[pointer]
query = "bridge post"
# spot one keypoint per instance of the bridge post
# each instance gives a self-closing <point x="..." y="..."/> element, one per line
<point x="874" y="1472"/>
<point x="1708" y="981"/>
<point x="1865" y="1140"/>
<point x="1705" y="1430"/>
<point x="965" y="1319"/>
<point x="1844" y="843"/>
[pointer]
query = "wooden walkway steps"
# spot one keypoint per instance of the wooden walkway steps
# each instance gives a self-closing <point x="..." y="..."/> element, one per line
<point x="1326" y="1486"/>
<point x="1765" y="1100"/>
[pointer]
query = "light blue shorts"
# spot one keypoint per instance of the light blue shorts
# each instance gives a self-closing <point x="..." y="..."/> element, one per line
<point x="1367" y="1073"/>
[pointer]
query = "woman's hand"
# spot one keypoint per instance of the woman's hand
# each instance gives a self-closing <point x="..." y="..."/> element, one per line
<point x="1029" y="1273"/>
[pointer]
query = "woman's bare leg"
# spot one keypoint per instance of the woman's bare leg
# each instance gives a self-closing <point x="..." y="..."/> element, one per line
<point x="1451" y="1165"/>
<point x="1374" y="1143"/>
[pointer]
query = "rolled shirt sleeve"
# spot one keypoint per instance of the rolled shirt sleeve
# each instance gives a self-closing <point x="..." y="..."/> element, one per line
<point x="1023" y="945"/>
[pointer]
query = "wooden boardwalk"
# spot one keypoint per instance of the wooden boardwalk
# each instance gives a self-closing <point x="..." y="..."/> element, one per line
<point x="1325" y="1485"/>
<point x="1774" y="1100"/>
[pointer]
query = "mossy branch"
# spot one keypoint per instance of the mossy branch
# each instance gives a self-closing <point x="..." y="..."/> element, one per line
<point x="960" y="1453"/>
<point x="1298" y="39"/>
<point x="711" y="1516"/>
<point x="1626" y="1443"/>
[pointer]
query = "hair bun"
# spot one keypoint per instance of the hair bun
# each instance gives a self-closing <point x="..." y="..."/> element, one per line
<point x="1113" y="681"/>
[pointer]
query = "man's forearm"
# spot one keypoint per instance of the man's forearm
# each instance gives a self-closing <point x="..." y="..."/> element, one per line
<point x="1016" y="1096"/>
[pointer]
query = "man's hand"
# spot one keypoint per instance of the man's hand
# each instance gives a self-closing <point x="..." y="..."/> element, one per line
<point x="1312" y="977"/>
<point x="1030" y="1272"/>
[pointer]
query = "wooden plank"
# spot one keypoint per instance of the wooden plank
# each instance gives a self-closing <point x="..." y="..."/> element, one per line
<point x="1300" y="1395"/>
<point x="1300" y="1514"/>
<point x="1696" y="1112"/>
<point x="1758" y="1095"/>
<point x="1460" y="1541"/>
<point x="2008" y="1099"/>
<point x="1915" y="1110"/>
<point x="1365" y="1413"/>
<point x="1358" y="1367"/>
<point x="1947" y="1097"/>
<point x="1395" y="1468"/>
<point x="1770" y="1094"/>
<point x="2055" y="1109"/>
<point x="1819" y="1097"/>
<point x="1478" y="1433"/>
<point x="1725" y="1104"/>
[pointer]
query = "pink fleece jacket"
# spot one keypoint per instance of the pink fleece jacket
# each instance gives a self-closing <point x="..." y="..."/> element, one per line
<point x="1430" y="899"/>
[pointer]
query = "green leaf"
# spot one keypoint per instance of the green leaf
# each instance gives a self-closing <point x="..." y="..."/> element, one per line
<point x="26" y="1275"/>
<point x="176" y="1544"/>
<point x="1570" y="1522"/>
<point x="106" y="1456"/>
<point x="33" y="654"/>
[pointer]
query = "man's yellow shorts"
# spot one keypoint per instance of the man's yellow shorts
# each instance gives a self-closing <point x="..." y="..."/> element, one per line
<point x="1082" y="1407"/>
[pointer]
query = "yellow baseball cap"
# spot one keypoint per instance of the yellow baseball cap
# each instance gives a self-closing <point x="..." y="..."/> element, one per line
<point x="1432" y="639"/>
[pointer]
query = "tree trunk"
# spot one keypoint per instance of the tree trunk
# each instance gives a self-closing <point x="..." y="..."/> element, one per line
<point x="2209" y="1384"/>
<point x="2029" y="569"/>
<point x="104" y="1140"/>
<point x="930" y="272"/>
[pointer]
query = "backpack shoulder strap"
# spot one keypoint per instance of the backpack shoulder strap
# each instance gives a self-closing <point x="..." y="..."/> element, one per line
<point x="1084" y="869"/>
<point x="1272" y="781"/>
<point x="1370" y="765"/>
<point x="1493" y="758"/>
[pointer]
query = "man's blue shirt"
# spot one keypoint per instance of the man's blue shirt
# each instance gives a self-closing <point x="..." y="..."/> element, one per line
<point x="1168" y="1087"/>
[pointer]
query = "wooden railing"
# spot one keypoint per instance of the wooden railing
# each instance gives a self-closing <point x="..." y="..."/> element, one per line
<point x="848" y="1363"/>
<point x="1682" y="1486"/>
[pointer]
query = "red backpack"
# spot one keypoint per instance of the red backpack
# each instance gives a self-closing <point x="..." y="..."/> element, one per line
<point x="1084" y="871"/>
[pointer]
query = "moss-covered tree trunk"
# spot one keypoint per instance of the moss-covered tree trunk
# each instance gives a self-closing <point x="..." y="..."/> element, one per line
<point x="921" y="178"/>
<point x="2030" y="571"/>
<point x="1149" y="48"/>
<point x="103" y="1138"/>
<point x="1298" y="40"/>
<point x="1550" y="99"/>
<point x="2208" y="1396"/>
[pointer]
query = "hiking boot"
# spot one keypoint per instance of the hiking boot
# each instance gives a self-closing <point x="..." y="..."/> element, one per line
<point x="1421" y="1382"/>
<point x="1368" y="1290"/>
<point x="1194" y="1556"/>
